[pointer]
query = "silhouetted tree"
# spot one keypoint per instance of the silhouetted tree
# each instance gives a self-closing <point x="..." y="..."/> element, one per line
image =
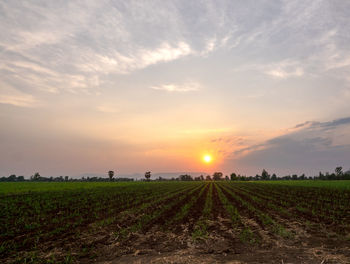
<point x="147" y="175"/>
<point x="233" y="176"/>
<point x="217" y="176"/>
<point x="339" y="171"/>
<point x="273" y="177"/>
<point x="20" y="178"/>
<point x="36" y="176"/>
<point x="302" y="177"/>
<point x="12" y="177"/>
<point x="110" y="175"/>
<point x="208" y="178"/>
<point x="185" y="177"/>
<point x="265" y="175"/>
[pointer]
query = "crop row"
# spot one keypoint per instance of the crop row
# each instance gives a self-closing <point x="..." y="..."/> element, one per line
<point x="29" y="219"/>
<point x="254" y="210"/>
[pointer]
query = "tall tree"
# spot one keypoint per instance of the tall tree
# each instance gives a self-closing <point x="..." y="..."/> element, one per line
<point x="265" y="175"/>
<point x="147" y="175"/>
<point x="36" y="176"/>
<point x="217" y="176"/>
<point x="339" y="171"/>
<point x="110" y="175"/>
<point x="233" y="176"/>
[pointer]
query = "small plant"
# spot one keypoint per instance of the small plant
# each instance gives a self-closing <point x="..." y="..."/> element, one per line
<point x="200" y="231"/>
<point x="247" y="236"/>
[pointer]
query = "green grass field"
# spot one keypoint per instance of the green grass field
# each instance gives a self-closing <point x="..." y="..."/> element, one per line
<point x="25" y="187"/>
<point x="341" y="184"/>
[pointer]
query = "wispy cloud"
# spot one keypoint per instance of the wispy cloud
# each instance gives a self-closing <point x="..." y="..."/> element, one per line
<point x="21" y="100"/>
<point x="284" y="69"/>
<point x="138" y="59"/>
<point x="186" y="87"/>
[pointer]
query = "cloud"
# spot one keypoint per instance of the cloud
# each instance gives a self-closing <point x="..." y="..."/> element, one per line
<point x="21" y="100"/>
<point x="335" y="123"/>
<point x="186" y="87"/>
<point x="54" y="48"/>
<point x="138" y="59"/>
<point x="284" y="69"/>
<point x="164" y="53"/>
<point x="312" y="146"/>
<point x="283" y="72"/>
<point x="66" y="53"/>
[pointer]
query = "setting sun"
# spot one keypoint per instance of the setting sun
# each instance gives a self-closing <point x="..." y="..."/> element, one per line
<point x="207" y="158"/>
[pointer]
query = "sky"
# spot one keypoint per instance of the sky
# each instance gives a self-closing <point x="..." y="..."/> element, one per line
<point x="135" y="86"/>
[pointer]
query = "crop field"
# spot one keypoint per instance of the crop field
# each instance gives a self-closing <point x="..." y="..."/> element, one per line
<point x="175" y="222"/>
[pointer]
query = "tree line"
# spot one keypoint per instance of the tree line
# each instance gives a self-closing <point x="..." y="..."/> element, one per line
<point x="36" y="177"/>
<point x="338" y="174"/>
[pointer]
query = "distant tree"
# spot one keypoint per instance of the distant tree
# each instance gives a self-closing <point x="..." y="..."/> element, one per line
<point x="208" y="178"/>
<point x="147" y="175"/>
<point x="36" y="176"/>
<point x="265" y="175"/>
<point x="233" y="176"/>
<point x="12" y="177"/>
<point x="339" y="171"/>
<point x="302" y="177"/>
<point x="110" y="175"/>
<point x="326" y="177"/>
<point x="217" y="176"/>
<point x="185" y="177"/>
<point x="227" y="178"/>
<point x="66" y="178"/>
<point x="346" y="175"/>
<point x="294" y="177"/>
<point x="241" y="177"/>
<point x="20" y="178"/>
<point x="201" y="177"/>
<point x="321" y="176"/>
<point x="273" y="177"/>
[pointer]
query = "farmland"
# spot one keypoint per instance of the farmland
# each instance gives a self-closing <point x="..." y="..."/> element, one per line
<point x="251" y="222"/>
